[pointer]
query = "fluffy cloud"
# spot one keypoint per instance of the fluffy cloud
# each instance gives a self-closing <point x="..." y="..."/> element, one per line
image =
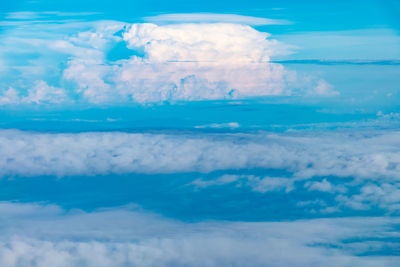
<point x="346" y="170"/>
<point x="216" y="42"/>
<point x="40" y="93"/>
<point x="187" y="61"/>
<point x="9" y="96"/>
<point x="184" y="62"/>
<point x="384" y="195"/>
<point x="360" y="155"/>
<point x="126" y="237"/>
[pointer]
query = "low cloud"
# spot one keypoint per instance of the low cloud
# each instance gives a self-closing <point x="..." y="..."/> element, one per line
<point x="125" y="237"/>
<point x="256" y="183"/>
<point x="364" y="155"/>
<point x="40" y="93"/>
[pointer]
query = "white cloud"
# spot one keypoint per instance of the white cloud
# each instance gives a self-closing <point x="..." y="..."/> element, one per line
<point x="384" y="195"/>
<point x="188" y="61"/>
<point x="232" y="125"/>
<point x="222" y="180"/>
<point x="145" y="82"/>
<point x="9" y="96"/>
<point x="267" y="184"/>
<point x="323" y="186"/>
<point x="43" y="93"/>
<point x="23" y="15"/>
<point x="373" y="155"/>
<point x="323" y="88"/>
<point x="40" y="93"/>
<point x="212" y="17"/>
<point x="256" y="183"/>
<point x="215" y="42"/>
<point x="127" y="237"/>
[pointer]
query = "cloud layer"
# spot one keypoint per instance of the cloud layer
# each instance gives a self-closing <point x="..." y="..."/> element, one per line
<point x="49" y="236"/>
<point x="359" y="155"/>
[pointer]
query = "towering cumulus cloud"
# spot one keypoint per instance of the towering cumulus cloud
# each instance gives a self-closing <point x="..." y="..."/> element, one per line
<point x="114" y="62"/>
<point x="219" y="42"/>
<point x="187" y="62"/>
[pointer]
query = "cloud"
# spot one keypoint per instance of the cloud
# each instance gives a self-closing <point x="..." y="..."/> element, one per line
<point x="43" y="93"/>
<point x="358" y="155"/>
<point x="178" y="62"/>
<point x="223" y="180"/>
<point x="256" y="183"/>
<point x="324" y="89"/>
<point x="232" y="125"/>
<point x="267" y="184"/>
<point x="31" y="15"/>
<point x="331" y="195"/>
<point x="384" y="195"/>
<point x="213" y="42"/>
<point x="127" y="236"/>
<point x="191" y="62"/>
<point x="9" y="96"/>
<point x="323" y="186"/>
<point x="40" y="93"/>
<point x="212" y="17"/>
<point x="356" y="170"/>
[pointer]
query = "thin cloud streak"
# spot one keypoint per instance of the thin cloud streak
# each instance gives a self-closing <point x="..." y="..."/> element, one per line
<point x="212" y="17"/>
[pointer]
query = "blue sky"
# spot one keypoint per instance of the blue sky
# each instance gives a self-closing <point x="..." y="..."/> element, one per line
<point x="212" y="133"/>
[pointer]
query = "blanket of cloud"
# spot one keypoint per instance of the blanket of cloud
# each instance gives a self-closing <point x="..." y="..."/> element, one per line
<point x="311" y="173"/>
<point x="306" y="154"/>
<point x="46" y="235"/>
<point x="195" y="138"/>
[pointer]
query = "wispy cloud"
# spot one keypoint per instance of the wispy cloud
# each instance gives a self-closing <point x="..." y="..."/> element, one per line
<point x="212" y="17"/>
<point x="32" y="15"/>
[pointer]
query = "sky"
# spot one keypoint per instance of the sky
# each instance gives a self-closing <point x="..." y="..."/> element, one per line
<point x="212" y="133"/>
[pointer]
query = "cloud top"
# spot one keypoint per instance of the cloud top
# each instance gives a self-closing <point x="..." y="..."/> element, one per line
<point x="210" y="42"/>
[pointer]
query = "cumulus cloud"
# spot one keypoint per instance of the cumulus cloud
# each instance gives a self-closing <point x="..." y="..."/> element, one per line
<point x="323" y="186"/>
<point x="39" y="93"/>
<point x="180" y="62"/>
<point x="384" y="195"/>
<point x="43" y="93"/>
<point x="9" y="96"/>
<point x="125" y="237"/>
<point x="214" y="42"/>
<point x="323" y="88"/>
<point x="169" y="62"/>
<point x="362" y="195"/>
